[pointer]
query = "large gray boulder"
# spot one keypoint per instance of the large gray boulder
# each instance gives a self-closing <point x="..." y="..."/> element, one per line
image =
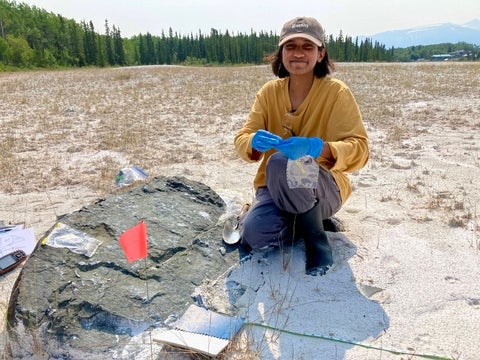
<point x="70" y="306"/>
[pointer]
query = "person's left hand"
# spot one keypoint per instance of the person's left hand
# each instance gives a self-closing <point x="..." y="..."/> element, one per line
<point x="297" y="146"/>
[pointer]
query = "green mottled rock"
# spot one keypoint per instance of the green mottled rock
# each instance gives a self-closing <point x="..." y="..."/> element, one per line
<point x="69" y="306"/>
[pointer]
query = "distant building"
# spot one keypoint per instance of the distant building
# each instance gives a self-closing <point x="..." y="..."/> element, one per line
<point x="459" y="53"/>
<point x="453" y="55"/>
<point x="441" y="57"/>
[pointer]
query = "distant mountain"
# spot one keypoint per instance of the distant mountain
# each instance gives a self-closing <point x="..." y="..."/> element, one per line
<point x="430" y="35"/>
<point x="474" y="24"/>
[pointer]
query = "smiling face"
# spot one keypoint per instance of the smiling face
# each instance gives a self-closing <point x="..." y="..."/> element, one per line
<point x="299" y="56"/>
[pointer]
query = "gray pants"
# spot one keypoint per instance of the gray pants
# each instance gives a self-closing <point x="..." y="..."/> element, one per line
<point x="271" y="218"/>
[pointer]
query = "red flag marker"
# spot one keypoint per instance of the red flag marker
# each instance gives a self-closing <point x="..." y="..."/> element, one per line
<point x="134" y="242"/>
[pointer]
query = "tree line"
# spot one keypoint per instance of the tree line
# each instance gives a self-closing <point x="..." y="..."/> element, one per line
<point x="31" y="37"/>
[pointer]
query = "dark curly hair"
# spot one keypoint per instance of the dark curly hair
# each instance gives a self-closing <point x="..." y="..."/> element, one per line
<point x="321" y="69"/>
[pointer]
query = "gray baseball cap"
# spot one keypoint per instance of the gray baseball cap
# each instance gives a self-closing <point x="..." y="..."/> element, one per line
<point x="304" y="27"/>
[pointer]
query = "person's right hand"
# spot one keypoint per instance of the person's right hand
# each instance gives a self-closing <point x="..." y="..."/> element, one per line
<point x="264" y="140"/>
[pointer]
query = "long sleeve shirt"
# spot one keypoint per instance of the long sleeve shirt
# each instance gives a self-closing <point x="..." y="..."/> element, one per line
<point x="329" y="112"/>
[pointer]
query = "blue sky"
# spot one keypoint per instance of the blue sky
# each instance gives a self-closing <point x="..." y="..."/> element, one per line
<point x="353" y="17"/>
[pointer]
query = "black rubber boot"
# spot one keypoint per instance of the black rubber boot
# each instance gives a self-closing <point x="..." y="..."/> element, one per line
<point x="333" y="224"/>
<point x="317" y="248"/>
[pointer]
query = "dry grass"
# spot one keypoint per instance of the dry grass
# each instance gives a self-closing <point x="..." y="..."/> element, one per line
<point x="80" y="126"/>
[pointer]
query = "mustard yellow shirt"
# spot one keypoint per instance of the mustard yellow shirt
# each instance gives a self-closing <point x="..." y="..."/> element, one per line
<point x="329" y="112"/>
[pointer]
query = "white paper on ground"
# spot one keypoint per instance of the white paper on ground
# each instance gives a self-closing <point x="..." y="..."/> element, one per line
<point x="204" y="344"/>
<point x="17" y="239"/>
<point x="202" y="330"/>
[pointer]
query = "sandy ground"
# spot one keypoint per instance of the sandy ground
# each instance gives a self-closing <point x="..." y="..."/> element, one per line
<point x="407" y="267"/>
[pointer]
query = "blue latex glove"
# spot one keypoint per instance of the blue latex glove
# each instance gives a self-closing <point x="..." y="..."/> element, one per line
<point x="264" y="140"/>
<point x="296" y="147"/>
